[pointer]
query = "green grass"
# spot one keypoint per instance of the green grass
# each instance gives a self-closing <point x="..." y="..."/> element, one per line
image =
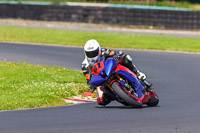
<point x="78" y="38"/>
<point x="31" y="86"/>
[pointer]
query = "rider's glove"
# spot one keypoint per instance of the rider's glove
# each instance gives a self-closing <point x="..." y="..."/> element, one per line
<point x="120" y="53"/>
<point x="141" y="76"/>
<point x="115" y="57"/>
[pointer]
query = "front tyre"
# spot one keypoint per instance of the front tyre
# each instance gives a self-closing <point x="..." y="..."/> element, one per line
<point x="125" y="97"/>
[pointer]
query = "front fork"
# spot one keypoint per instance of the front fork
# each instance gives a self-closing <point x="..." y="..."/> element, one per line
<point x="131" y="91"/>
<point x="124" y="84"/>
<point x="110" y="89"/>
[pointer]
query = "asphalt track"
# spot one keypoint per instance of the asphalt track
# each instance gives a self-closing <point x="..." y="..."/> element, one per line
<point x="175" y="77"/>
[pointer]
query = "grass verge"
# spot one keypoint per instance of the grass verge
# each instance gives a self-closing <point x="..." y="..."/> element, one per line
<point x="78" y="38"/>
<point x="31" y="86"/>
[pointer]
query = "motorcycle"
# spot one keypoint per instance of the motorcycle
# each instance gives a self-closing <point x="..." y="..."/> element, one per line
<point x="122" y="85"/>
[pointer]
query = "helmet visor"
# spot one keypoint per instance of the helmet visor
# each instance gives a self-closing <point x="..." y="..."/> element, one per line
<point x="92" y="54"/>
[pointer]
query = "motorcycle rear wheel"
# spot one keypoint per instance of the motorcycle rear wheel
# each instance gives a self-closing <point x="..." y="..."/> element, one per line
<point x="125" y="97"/>
<point x="153" y="100"/>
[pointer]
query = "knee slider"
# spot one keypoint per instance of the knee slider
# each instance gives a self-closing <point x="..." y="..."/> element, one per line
<point x="129" y="58"/>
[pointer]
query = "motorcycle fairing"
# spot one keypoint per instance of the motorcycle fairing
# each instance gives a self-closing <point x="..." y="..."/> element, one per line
<point x="100" y="69"/>
<point x="108" y="67"/>
<point x="97" y="80"/>
<point x="120" y="67"/>
<point x="138" y="87"/>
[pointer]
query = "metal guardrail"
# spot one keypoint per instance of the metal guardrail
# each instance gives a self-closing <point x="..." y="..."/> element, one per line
<point x="173" y="19"/>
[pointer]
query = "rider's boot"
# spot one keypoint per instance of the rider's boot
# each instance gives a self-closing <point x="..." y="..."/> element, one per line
<point x="102" y="99"/>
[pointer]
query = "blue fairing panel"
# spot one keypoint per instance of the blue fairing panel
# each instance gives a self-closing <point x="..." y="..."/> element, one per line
<point x="109" y="64"/>
<point x="139" y="88"/>
<point x="97" y="80"/>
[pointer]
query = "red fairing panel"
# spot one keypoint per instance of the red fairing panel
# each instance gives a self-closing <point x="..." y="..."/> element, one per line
<point x="120" y="67"/>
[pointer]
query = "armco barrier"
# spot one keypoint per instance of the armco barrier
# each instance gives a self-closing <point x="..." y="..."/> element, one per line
<point x="107" y="15"/>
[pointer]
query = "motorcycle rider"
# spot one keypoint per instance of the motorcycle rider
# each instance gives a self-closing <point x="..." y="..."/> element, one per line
<point x="93" y="54"/>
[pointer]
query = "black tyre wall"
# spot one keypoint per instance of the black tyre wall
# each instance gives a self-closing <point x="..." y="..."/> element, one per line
<point x="127" y="99"/>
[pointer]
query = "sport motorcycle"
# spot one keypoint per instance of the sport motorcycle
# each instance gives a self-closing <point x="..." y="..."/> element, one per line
<point x="121" y="84"/>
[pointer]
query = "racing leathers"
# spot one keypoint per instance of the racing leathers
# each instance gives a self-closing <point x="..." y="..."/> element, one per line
<point x="125" y="60"/>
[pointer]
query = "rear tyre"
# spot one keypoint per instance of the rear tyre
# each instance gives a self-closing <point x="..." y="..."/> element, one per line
<point x="153" y="100"/>
<point x="127" y="100"/>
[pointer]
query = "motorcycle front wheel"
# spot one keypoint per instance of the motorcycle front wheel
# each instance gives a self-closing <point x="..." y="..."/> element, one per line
<point x="125" y="96"/>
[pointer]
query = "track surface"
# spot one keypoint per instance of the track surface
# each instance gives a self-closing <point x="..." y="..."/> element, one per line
<point x="175" y="77"/>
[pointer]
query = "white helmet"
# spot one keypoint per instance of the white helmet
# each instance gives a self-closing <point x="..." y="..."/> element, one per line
<point x="92" y="51"/>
